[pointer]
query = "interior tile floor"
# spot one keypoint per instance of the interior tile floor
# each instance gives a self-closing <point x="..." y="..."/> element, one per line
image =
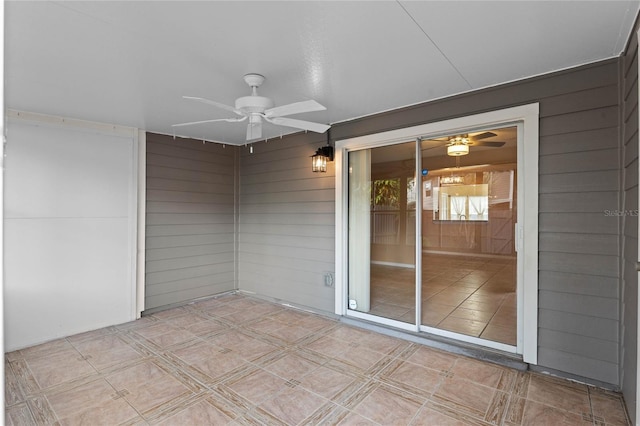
<point x="236" y="360"/>
<point x="470" y="295"/>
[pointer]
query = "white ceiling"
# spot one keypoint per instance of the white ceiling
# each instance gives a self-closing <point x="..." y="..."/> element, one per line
<point x="130" y="63"/>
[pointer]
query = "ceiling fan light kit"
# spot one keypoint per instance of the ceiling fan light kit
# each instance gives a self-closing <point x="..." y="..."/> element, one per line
<point x="458" y="150"/>
<point x="458" y="145"/>
<point x="258" y="109"/>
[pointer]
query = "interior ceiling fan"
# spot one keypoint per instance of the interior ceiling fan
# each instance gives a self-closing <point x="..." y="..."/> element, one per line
<point x="255" y="109"/>
<point x="458" y="145"/>
<point x="474" y="140"/>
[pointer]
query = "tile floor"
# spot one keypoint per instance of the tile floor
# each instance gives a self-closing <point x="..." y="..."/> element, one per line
<point x="465" y="294"/>
<point x="241" y="361"/>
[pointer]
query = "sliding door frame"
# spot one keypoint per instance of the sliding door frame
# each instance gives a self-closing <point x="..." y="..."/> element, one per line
<point x="526" y="231"/>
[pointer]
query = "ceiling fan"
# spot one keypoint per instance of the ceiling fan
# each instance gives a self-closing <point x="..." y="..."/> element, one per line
<point x="458" y="145"/>
<point x="257" y="109"/>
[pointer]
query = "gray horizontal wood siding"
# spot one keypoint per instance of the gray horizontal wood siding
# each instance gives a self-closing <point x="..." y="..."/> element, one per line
<point x="286" y="222"/>
<point x="190" y="220"/>
<point x="629" y="240"/>
<point x="579" y="250"/>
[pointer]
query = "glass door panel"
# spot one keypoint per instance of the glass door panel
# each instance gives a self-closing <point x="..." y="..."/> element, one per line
<point x="469" y="212"/>
<point x="382" y="237"/>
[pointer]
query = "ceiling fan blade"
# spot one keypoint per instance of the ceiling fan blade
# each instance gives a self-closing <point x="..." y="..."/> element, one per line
<point x="254" y="131"/>
<point x="215" y="104"/>
<point x="294" y="108"/>
<point x="230" y="120"/>
<point x="495" y="144"/>
<point x="433" y="147"/>
<point x="299" y="124"/>
<point x="483" y="136"/>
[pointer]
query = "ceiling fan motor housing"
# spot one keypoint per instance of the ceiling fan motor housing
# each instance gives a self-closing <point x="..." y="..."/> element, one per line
<point x="253" y="103"/>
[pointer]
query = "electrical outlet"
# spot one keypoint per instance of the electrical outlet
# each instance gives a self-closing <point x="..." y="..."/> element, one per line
<point x="328" y="279"/>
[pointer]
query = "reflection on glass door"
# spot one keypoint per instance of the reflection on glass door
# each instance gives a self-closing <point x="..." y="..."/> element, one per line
<point x="382" y="208"/>
<point x="469" y="213"/>
<point x="467" y="199"/>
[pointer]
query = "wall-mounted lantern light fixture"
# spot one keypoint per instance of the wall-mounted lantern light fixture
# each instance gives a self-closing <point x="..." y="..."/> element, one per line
<point x="322" y="155"/>
<point x="320" y="158"/>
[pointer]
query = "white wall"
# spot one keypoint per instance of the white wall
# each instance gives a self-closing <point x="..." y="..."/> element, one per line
<point x="69" y="228"/>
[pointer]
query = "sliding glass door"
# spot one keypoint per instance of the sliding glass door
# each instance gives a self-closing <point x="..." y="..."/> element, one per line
<point x="381" y="232"/>
<point x="469" y="213"/>
<point x="437" y="229"/>
<point x="445" y="238"/>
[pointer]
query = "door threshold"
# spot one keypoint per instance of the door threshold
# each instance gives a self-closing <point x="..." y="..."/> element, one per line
<point x="481" y="353"/>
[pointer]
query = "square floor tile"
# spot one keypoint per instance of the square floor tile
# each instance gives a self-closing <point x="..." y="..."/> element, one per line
<point x="218" y="366"/>
<point x="292" y="366"/>
<point x="113" y="412"/>
<point x="483" y="373"/>
<point x="63" y="366"/>
<point x="78" y="399"/>
<point x="608" y="407"/>
<point x="464" y="396"/>
<point x="256" y="386"/>
<point x="326" y="382"/>
<point x="462" y="326"/>
<point x="432" y="358"/>
<point x="386" y="407"/>
<point x="201" y="413"/>
<point x="294" y="405"/>
<point x="106" y="351"/>
<point x="414" y="378"/>
<point x="559" y="394"/>
<point x="428" y="416"/>
<point x="506" y="335"/>
<point x="527" y="412"/>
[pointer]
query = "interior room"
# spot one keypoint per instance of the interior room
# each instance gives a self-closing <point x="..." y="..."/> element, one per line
<point x="300" y="213"/>
<point x="468" y="248"/>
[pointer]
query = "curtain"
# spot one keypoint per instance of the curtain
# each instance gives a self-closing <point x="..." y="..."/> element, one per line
<point x="479" y="206"/>
<point x="458" y="206"/>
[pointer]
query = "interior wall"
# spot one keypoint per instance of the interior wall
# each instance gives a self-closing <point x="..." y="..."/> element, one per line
<point x="286" y="222"/>
<point x="493" y="237"/>
<point x="190" y="220"/>
<point x="629" y="240"/>
<point x="70" y="226"/>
